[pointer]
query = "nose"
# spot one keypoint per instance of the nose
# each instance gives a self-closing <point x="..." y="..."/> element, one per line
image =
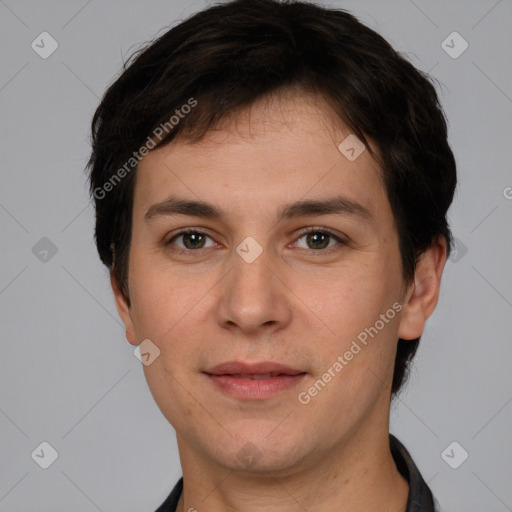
<point x="253" y="296"/>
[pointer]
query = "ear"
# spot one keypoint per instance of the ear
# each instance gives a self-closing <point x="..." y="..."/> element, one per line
<point x="422" y="295"/>
<point x="124" y="310"/>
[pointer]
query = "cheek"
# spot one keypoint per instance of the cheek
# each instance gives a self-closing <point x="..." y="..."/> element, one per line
<point x="158" y="295"/>
<point x="351" y="306"/>
<point x="169" y="309"/>
<point x="165" y="310"/>
<point x="349" y="302"/>
<point x="352" y="297"/>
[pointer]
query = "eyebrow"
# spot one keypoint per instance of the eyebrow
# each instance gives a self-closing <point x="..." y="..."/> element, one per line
<point x="338" y="205"/>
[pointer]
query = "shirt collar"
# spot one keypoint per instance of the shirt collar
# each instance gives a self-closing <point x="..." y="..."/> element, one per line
<point x="420" y="497"/>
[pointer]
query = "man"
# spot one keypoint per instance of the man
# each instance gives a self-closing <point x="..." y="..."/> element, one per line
<point x="271" y="181"/>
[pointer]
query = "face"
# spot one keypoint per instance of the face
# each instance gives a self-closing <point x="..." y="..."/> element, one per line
<point x="259" y="277"/>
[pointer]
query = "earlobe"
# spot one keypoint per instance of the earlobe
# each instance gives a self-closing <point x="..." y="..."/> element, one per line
<point x="124" y="310"/>
<point x="423" y="294"/>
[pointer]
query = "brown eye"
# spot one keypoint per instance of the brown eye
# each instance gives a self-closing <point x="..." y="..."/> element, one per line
<point x="317" y="239"/>
<point x="191" y="240"/>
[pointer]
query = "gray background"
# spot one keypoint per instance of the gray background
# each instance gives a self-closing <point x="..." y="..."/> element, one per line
<point x="67" y="374"/>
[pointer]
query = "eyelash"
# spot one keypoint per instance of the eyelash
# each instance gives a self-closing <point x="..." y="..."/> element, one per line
<point x="306" y="231"/>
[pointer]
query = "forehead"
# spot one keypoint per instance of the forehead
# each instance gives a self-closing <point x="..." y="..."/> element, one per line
<point x="277" y="150"/>
<point x="284" y="117"/>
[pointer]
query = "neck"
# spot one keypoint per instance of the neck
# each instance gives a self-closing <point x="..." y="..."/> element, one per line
<point x="357" y="475"/>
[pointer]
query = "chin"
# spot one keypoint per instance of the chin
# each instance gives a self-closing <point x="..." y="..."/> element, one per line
<point x="258" y="454"/>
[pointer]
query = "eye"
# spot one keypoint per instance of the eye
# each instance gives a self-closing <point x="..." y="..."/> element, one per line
<point x="319" y="239"/>
<point x="191" y="240"/>
<point x="316" y="239"/>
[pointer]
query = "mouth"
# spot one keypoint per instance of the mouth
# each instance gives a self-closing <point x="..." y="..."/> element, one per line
<point x="257" y="381"/>
<point x="257" y="376"/>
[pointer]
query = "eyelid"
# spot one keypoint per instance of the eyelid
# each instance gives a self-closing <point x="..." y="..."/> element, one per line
<point x="316" y="229"/>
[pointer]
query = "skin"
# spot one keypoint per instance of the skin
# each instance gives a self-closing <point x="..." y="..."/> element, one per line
<point x="294" y="304"/>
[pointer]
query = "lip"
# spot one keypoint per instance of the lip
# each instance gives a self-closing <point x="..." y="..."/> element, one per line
<point x="233" y="378"/>
<point x="261" y="368"/>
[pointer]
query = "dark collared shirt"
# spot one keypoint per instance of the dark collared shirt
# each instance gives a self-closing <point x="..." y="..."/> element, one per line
<point x="420" y="496"/>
